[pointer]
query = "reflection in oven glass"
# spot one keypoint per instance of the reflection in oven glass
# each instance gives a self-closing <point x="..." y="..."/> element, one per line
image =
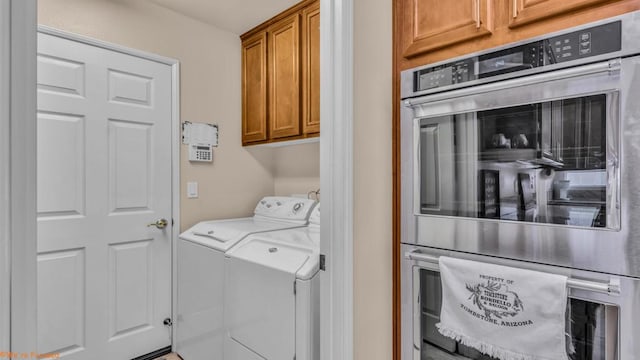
<point x="543" y="162"/>
<point x="586" y="324"/>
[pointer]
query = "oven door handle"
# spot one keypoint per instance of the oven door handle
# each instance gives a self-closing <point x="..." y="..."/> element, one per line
<point x="611" y="288"/>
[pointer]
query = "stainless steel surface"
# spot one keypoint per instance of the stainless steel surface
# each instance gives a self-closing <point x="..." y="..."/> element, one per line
<point x="630" y="46"/>
<point x="611" y="287"/>
<point x="611" y="251"/>
<point x="621" y="336"/>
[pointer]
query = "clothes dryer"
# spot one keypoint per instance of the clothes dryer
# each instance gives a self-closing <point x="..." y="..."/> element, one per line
<point x="272" y="298"/>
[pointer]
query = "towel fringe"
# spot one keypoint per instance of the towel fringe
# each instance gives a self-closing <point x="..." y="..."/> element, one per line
<point x="488" y="349"/>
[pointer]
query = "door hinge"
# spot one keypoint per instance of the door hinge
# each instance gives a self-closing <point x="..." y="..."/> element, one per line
<point x="167" y="322"/>
<point x="295" y="288"/>
<point x="323" y="261"/>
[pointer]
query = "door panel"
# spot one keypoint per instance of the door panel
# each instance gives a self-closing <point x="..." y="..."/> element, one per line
<point x="61" y="302"/>
<point x="432" y="24"/>
<point x="254" y="88"/>
<point x="284" y="78"/>
<point x="129" y="88"/>
<point x="529" y="11"/>
<point x="62" y="76"/>
<point x="130" y="288"/>
<point x="130" y="147"/>
<point x="61" y="149"/>
<point x="104" y="144"/>
<point x="311" y="69"/>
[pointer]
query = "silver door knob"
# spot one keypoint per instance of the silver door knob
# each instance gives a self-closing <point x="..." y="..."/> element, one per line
<point x="160" y="224"/>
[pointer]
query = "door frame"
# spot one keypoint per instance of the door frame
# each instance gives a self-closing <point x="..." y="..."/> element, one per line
<point x="176" y="135"/>
<point x="336" y="152"/>
<point x="26" y="338"/>
<point x="17" y="175"/>
<point x="5" y="115"/>
<point x="336" y="178"/>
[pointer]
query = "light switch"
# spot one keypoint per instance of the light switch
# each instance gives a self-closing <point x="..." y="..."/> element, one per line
<point x="192" y="190"/>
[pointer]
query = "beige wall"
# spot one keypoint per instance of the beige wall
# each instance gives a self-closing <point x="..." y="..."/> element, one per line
<point x="372" y="180"/>
<point x="297" y="169"/>
<point x="210" y="92"/>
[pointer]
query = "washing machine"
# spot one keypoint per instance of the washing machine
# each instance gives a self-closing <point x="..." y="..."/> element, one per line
<point x="272" y="302"/>
<point x="200" y="271"/>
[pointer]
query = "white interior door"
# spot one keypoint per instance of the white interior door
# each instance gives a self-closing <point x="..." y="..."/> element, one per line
<point x="104" y="173"/>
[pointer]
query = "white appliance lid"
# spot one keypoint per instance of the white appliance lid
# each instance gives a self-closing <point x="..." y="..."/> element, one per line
<point x="299" y="244"/>
<point x="223" y="234"/>
<point x="273" y="254"/>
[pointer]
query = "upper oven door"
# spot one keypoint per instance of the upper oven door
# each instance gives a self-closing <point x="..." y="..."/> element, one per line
<point x="530" y="168"/>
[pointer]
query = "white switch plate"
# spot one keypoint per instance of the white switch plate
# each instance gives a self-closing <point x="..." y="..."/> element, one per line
<point x="192" y="190"/>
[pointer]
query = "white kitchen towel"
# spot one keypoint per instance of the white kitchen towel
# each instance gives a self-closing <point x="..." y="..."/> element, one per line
<point x="504" y="312"/>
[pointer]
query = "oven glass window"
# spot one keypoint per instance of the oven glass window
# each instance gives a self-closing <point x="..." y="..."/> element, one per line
<point x="592" y="328"/>
<point x="543" y="162"/>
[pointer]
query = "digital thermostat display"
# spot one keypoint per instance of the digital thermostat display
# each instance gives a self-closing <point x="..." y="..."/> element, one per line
<point x="501" y="63"/>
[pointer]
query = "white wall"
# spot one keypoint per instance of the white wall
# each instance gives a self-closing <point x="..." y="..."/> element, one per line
<point x="5" y="99"/>
<point x="372" y="179"/>
<point x="210" y="60"/>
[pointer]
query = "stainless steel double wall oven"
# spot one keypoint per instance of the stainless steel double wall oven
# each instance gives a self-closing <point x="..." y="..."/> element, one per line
<point x="528" y="155"/>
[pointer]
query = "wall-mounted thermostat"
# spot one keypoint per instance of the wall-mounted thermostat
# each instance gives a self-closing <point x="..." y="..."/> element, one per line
<point x="201" y="138"/>
<point x="200" y="153"/>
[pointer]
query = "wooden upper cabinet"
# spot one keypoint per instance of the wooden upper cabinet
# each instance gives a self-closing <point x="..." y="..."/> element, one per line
<point x="311" y="69"/>
<point x="254" y="88"/>
<point x="524" y="12"/>
<point x="284" y="77"/>
<point x="434" y="24"/>
<point x="281" y="77"/>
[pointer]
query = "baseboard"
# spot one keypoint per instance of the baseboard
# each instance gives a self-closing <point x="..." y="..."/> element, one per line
<point x="154" y="354"/>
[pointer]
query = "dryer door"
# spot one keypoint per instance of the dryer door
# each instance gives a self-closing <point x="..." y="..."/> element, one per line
<point x="260" y="303"/>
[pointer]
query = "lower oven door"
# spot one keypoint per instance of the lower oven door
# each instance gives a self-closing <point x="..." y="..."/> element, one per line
<point x="601" y="325"/>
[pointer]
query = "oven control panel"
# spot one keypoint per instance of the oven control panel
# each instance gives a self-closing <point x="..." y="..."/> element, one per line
<point x="584" y="43"/>
<point x="597" y="40"/>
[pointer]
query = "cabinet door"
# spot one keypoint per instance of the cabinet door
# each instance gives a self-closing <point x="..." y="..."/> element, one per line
<point x="311" y="69"/>
<point x="528" y="11"/>
<point x="284" y="78"/>
<point x="254" y="88"/>
<point x="433" y="24"/>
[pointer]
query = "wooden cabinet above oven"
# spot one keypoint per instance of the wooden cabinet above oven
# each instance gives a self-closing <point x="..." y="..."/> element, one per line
<point x="281" y="77"/>
<point x="428" y="31"/>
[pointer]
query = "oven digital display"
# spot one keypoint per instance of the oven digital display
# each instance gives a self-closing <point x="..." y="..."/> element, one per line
<point x="501" y="63"/>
